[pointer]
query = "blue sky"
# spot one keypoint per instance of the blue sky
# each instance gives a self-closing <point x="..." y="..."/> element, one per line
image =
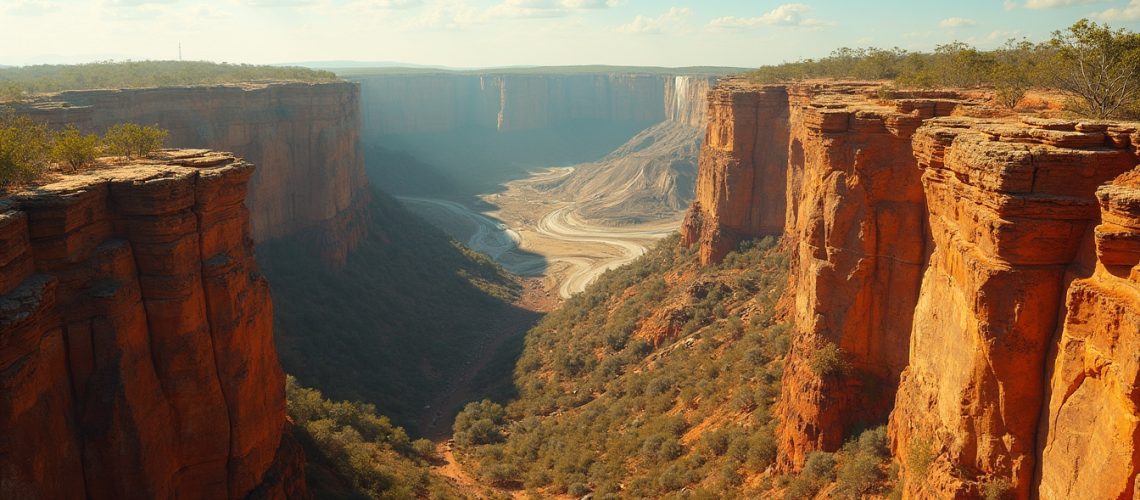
<point x="483" y="33"/>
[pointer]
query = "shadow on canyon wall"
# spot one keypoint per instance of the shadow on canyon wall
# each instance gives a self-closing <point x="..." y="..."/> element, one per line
<point x="405" y="318"/>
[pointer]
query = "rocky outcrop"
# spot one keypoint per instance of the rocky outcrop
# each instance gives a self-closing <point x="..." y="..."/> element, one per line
<point x="856" y="212"/>
<point x="136" y="343"/>
<point x="306" y="137"/>
<point x="743" y="164"/>
<point x="958" y="265"/>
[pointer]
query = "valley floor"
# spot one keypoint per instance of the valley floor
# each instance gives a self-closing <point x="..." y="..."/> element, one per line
<point x="530" y="233"/>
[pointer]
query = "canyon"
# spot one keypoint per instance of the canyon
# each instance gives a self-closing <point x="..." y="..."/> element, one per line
<point x="569" y="223"/>
<point x="976" y="269"/>
<point x="138" y="356"/>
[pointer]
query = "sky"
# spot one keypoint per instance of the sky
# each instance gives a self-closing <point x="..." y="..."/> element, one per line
<point x="492" y="33"/>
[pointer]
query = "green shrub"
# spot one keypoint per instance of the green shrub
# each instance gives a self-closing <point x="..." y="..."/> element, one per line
<point x="828" y="360"/>
<point x="920" y="455"/>
<point x="997" y="489"/>
<point x="859" y="475"/>
<point x="74" y="149"/>
<point x="134" y="141"/>
<point x="479" y="423"/>
<point x="25" y="147"/>
<point x="820" y="466"/>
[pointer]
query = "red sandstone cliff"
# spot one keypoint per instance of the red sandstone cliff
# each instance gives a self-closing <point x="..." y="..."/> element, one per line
<point x="743" y="163"/>
<point x="136" y="345"/>
<point x="955" y="263"/>
<point x="305" y="137"/>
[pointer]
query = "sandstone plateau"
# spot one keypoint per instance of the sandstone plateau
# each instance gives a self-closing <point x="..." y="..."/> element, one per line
<point x="136" y="344"/>
<point x="978" y="272"/>
<point x="305" y="138"/>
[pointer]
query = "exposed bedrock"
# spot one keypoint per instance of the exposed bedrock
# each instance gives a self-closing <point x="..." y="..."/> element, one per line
<point x="978" y="275"/>
<point x="136" y="343"/>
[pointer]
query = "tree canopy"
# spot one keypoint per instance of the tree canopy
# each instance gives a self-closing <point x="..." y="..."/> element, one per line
<point x="19" y="81"/>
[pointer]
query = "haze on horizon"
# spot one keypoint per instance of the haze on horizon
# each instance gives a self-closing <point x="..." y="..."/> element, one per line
<point x="494" y="33"/>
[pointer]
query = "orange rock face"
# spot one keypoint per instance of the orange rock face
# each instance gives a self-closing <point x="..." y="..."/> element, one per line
<point x="1090" y="430"/>
<point x="741" y="177"/>
<point x="1009" y="205"/>
<point x="136" y="348"/>
<point x="979" y="276"/>
<point x="305" y="137"/>
<point x="857" y="212"/>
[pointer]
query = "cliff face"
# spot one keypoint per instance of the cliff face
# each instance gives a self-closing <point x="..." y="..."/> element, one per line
<point x="1094" y="373"/>
<point x="686" y="99"/>
<point x="136" y="344"/>
<point x="1009" y="205"/>
<point x="305" y="135"/>
<point x="954" y="263"/>
<point x="434" y="103"/>
<point x="743" y="164"/>
<point x="856" y="214"/>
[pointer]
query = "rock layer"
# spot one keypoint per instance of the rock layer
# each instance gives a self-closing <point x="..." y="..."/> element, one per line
<point x="1009" y="206"/>
<point x="1090" y="429"/>
<point x="306" y="137"/>
<point x="958" y="265"/>
<point x="136" y="343"/>
<point x="743" y="163"/>
<point x="445" y="102"/>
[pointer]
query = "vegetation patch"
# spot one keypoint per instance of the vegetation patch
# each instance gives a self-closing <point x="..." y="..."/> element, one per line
<point x="1096" y="66"/>
<point x="352" y="452"/>
<point x="18" y="82"/>
<point x="28" y="149"/>
<point x="616" y="400"/>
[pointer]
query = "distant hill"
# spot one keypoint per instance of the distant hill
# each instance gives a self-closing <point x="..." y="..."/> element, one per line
<point x="362" y="64"/>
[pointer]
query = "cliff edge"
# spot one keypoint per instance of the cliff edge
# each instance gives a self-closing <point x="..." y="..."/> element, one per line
<point x="305" y="137"/>
<point x="975" y="271"/>
<point x="136" y="342"/>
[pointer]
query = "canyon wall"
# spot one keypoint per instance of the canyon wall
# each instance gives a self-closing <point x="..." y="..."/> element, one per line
<point x="957" y="265"/>
<point x="398" y="104"/>
<point x="136" y="342"/>
<point x="743" y="163"/>
<point x="305" y="136"/>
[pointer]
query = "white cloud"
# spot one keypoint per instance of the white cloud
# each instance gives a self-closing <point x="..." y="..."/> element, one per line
<point x="957" y="22"/>
<point x="1008" y="5"/>
<point x="1130" y="12"/>
<point x="1053" y="4"/>
<point x="670" y="20"/>
<point x="789" y="14"/>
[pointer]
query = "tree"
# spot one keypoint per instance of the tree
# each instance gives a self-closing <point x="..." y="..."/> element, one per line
<point x="1016" y="65"/>
<point x="134" y="141"/>
<point x="1098" y="66"/>
<point x="74" y="149"/>
<point x="25" y="147"/>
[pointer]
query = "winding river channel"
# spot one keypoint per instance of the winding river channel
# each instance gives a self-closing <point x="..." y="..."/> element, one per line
<point x="540" y="237"/>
